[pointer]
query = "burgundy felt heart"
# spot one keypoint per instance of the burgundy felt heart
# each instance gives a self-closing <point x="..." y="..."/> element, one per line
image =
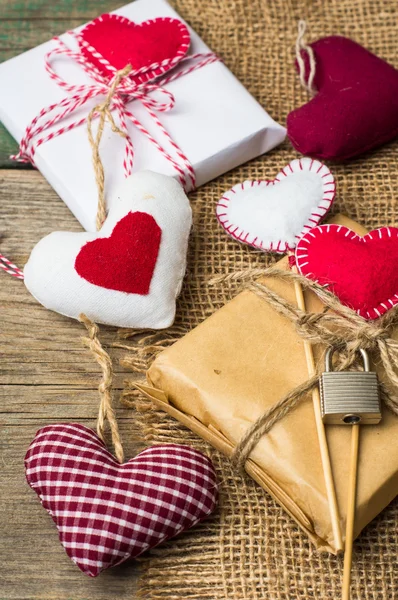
<point x="361" y="271"/>
<point x="126" y="260"/>
<point x="106" y="512"/>
<point x="116" y="41"/>
<point x="356" y="107"/>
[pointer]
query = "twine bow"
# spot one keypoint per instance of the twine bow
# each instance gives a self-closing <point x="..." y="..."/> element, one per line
<point x="342" y="329"/>
<point x="142" y="85"/>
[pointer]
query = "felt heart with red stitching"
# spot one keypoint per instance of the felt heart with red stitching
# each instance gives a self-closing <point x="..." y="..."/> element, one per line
<point x="273" y="215"/>
<point x="106" y="512"/>
<point x="356" y="105"/>
<point x="361" y="271"/>
<point x="115" y="41"/>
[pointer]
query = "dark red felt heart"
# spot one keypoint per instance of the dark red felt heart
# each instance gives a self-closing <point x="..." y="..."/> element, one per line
<point x="356" y="107"/>
<point x="106" y="512"/>
<point x="361" y="271"/>
<point x="126" y="260"/>
<point x="120" y="42"/>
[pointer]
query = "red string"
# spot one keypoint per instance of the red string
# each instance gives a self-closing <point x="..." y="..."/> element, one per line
<point x="10" y="268"/>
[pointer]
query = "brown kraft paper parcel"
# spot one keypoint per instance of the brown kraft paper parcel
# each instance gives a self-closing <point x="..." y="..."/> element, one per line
<point x="224" y="374"/>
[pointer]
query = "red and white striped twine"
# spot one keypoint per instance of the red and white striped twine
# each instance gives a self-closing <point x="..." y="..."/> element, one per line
<point x="10" y="268"/>
<point x="42" y="128"/>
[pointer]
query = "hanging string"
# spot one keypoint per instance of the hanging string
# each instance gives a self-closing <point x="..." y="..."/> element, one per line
<point x="302" y="47"/>
<point x="106" y="411"/>
<point x="104" y="112"/>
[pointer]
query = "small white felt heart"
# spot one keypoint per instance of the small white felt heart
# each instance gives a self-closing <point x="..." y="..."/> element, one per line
<point x="273" y="215"/>
<point x="130" y="272"/>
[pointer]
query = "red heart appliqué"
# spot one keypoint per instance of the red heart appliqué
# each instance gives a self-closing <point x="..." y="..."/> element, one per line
<point x="356" y="107"/>
<point x="106" y="512"/>
<point x="117" y="41"/>
<point x="126" y="260"/>
<point x="361" y="271"/>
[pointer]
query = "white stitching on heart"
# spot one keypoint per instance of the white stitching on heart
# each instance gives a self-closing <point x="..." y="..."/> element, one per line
<point x="372" y="313"/>
<point x="160" y="67"/>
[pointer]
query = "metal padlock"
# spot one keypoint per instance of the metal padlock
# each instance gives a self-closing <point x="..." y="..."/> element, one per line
<point x="349" y="397"/>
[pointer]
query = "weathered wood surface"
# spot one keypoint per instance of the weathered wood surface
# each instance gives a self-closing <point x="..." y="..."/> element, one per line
<point x="46" y="375"/>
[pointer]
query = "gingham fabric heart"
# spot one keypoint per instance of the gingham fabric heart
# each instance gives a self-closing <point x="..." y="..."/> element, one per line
<point x="106" y="512"/>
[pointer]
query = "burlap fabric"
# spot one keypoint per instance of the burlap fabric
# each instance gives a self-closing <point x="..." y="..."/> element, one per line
<point x="250" y="549"/>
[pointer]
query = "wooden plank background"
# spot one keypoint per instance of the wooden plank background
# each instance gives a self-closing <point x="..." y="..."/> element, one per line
<point x="46" y="375"/>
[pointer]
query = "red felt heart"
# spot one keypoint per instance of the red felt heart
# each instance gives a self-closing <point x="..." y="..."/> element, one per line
<point x="106" y="512"/>
<point x="361" y="271"/>
<point x="126" y="260"/>
<point x="356" y="107"/>
<point x="115" y="41"/>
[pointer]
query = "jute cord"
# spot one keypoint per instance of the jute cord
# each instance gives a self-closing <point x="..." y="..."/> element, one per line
<point x="302" y="47"/>
<point x="106" y="411"/>
<point x="104" y="112"/>
<point x="337" y="326"/>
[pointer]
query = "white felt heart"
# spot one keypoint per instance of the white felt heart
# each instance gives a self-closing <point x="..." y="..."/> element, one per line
<point x="273" y="215"/>
<point x="130" y="272"/>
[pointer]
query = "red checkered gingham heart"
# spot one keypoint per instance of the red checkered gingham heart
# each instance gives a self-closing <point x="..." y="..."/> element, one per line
<point x="106" y="512"/>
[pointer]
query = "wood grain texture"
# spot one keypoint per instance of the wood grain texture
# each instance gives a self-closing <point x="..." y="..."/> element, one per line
<point x="61" y="9"/>
<point x="46" y="376"/>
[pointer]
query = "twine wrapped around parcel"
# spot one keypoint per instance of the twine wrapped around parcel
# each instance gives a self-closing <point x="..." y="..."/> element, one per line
<point x="342" y="329"/>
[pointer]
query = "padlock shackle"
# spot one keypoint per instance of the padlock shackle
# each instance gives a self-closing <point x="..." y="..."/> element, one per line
<point x="329" y="357"/>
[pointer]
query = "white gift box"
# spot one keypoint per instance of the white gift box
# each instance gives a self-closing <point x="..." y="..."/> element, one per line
<point x="215" y="121"/>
